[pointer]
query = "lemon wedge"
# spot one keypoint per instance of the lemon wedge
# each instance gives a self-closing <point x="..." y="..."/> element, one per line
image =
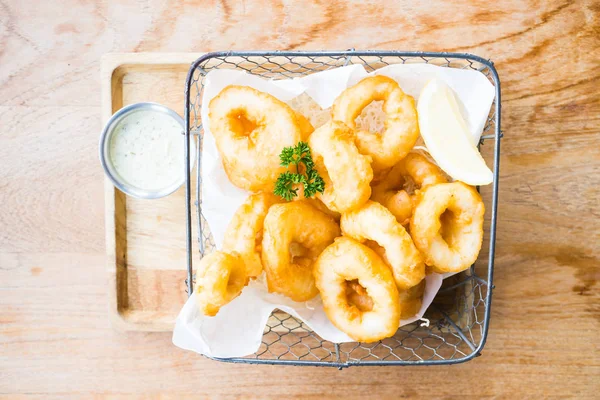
<point x="447" y="137"/>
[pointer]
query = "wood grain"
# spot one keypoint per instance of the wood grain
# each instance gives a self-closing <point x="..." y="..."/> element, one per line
<point x="56" y="340"/>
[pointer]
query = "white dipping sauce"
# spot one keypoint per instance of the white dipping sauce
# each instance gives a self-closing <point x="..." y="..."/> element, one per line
<point x="146" y="150"/>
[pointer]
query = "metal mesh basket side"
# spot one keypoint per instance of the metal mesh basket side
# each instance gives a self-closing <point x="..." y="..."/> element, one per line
<point x="459" y="316"/>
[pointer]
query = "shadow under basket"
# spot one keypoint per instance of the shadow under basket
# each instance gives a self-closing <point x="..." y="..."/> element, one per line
<point x="457" y="321"/>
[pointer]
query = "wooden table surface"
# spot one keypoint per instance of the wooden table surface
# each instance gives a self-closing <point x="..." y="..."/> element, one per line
<point x="55" y="336"/>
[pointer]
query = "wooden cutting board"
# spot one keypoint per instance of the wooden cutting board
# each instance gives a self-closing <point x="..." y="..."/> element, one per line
<point x="145" y="239"/>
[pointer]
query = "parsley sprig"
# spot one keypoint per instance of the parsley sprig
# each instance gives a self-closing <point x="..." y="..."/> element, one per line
<point x="300" y="157"/>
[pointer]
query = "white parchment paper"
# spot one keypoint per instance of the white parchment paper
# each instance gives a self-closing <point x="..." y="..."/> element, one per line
<point x="237" y="329"/>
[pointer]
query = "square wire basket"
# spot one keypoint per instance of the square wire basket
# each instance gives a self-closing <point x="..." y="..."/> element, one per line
<point x="458" y="317"/>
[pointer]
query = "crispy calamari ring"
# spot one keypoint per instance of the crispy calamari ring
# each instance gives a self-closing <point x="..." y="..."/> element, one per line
<point x="373" y="222"/>
<point x="447" y="226"/>
<point x="347" y="173"/>
<point x="347" y="262"/>
<point x="245" y="230"/>
<point x="220" y="279"/>
<point x="393" y="192"/>
<point x="295" y="234"/>
<point x="250" y="129"/>
<point x="410" y="299"/>
<point x="401" y="126"/>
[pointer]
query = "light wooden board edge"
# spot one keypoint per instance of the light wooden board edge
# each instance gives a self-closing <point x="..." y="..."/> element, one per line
<point x="110" y="62"/>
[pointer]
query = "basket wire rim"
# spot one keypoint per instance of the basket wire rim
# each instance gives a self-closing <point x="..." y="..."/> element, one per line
<point x="476" y="350"/>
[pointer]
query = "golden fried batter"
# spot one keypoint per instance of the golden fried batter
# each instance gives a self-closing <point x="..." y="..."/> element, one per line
<point x="374" y="222"/>
<point x="347" y="263"/>
<point x="250" y="129"/>
<point x="447" y="226"/>
<point x="347" y="173"/>
<point x="414" y="170"/>
<point x="220" y="279"/>
<point x="295" y="234"/>
<point x="245" y="230"/>
<point x="401" y="125"/>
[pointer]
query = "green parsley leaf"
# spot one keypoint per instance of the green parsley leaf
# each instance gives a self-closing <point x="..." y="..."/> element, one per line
<point x="302" y="155"/>
<point x="286" y="156"/>
<point x="314" y="183"/>
<point x="306" y="175"/>
<point x="284" y="186"/>
<point x="296" y="155"/>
